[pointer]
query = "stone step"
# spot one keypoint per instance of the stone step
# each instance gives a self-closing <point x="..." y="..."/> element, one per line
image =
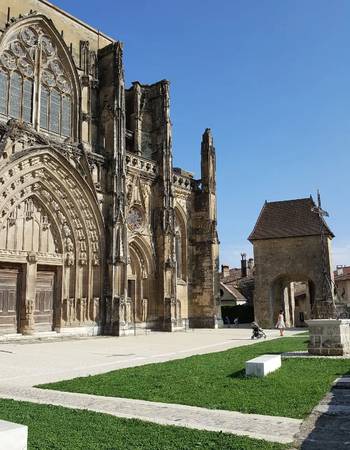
<point x="13" y="436"/>
<point x="262" y="365"/>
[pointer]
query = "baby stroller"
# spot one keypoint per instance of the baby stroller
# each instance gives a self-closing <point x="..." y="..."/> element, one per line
<point x="257" y="331"/>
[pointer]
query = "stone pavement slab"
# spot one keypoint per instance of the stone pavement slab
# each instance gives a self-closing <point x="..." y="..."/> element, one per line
<point x="270" y="428"/>
<point x="13" y="436"/>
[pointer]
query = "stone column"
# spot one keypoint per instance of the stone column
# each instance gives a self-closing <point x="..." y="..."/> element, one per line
<point x="286" y="305"/>
<point x="27" y="319"/>
<point x="291" y="304"/>
<point x="307" y="308"/>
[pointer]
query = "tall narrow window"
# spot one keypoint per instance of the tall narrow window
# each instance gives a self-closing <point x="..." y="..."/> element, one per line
<point x="44" y="108"/>
<point x="27" y="100"/>
<point x="178" y="252"/>
<point x="66" y="116"/>
<point x="15" y="95"/>
<point x="3" y="92"/>
<point x="55" y="107"/>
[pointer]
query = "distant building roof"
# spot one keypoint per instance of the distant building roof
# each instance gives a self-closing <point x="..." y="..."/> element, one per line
<point x="233" y="291"/>
<point x="342" y="273"/>
<point x="234" y="274"/>
<point x="288" y="218"/>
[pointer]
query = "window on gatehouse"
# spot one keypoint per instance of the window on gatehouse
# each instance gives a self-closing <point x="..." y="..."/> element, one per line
<point x="30" y="51"/>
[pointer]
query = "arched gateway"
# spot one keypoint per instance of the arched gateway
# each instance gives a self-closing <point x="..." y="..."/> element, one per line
<point x="292" y="261"/>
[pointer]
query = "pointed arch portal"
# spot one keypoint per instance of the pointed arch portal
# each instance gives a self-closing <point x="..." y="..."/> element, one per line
<point x="140" y="283"/>
<point x="51" y="245"/>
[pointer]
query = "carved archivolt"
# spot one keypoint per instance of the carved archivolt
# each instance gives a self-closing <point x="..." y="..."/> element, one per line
<point x="43" y="175"/>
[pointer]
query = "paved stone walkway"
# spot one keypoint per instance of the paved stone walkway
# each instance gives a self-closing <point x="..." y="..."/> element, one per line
<point x="270" y="428"/>
<point x="34" y="363"/>
<point x="24" y="364"/>
<point x="328" y="426"/>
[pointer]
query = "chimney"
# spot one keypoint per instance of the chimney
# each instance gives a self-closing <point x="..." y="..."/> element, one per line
<point x="243" y="265"/>
<point x="340" y="270"/>
<point x="225" y="271"/>
<point x="250" y="265"/>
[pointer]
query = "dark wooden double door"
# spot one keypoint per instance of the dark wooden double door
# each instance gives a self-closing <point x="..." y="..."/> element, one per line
<point x="12" y="295"/>
<point x="44" y="300"/>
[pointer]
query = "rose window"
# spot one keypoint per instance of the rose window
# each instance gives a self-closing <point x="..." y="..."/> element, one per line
<point x="135" y="219"/>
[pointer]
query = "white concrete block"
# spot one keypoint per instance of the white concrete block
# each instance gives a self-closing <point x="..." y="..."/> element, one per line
<point x="262" y="365"/>
<point x="13" y="436"/>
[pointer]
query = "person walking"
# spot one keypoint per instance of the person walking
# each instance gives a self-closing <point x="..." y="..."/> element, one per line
<point x="280" y="323"/>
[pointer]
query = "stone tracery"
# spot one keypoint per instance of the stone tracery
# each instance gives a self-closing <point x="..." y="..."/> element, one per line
<point x="26" y="51"/>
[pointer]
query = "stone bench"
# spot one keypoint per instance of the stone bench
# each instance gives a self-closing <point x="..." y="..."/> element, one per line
<point x="13" y="436"/>
<point x="262" y="365"/>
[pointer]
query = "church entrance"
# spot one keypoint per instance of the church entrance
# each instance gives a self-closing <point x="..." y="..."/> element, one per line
<point x="44" y="300"/>
<point x="142" y="309"/>
<point x="9" y="300"/>
<point x="51" y="232"/>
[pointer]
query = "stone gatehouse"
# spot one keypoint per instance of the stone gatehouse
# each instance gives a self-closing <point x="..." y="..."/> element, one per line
<point x="99" y="232"/>
<point x="292" y="261"/>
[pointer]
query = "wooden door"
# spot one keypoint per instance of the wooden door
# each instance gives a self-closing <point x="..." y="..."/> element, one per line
<point x="44" y="300"/>
<point x="8" y="300"/>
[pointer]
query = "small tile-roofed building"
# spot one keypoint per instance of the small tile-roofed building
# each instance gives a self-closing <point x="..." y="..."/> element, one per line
<point x="289" y="247"/>
<point x="288" y="218"/>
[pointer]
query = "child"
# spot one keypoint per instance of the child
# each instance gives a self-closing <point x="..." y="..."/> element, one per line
<point x="280" y="323"/>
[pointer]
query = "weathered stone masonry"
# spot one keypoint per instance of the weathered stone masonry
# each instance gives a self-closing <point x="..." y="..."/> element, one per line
<point x="99" y="232"/>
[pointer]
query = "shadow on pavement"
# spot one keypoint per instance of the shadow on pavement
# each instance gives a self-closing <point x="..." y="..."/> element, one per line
<point x="328" y="427"/>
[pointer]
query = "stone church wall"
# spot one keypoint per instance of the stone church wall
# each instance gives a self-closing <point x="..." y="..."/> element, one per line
<point x="100" y="233"/>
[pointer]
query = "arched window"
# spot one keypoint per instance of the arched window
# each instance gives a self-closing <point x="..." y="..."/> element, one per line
<point x="31" y="51"/>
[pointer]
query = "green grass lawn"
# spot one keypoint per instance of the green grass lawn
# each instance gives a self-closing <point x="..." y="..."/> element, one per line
<point x="57" y="428"/>
<point x="217" y="380"/>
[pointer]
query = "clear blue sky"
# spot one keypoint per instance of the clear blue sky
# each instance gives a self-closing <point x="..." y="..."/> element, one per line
<point x="271" y="78"/>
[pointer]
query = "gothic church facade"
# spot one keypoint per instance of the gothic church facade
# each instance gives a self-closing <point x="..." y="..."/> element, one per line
<point x="99" y="232"/>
